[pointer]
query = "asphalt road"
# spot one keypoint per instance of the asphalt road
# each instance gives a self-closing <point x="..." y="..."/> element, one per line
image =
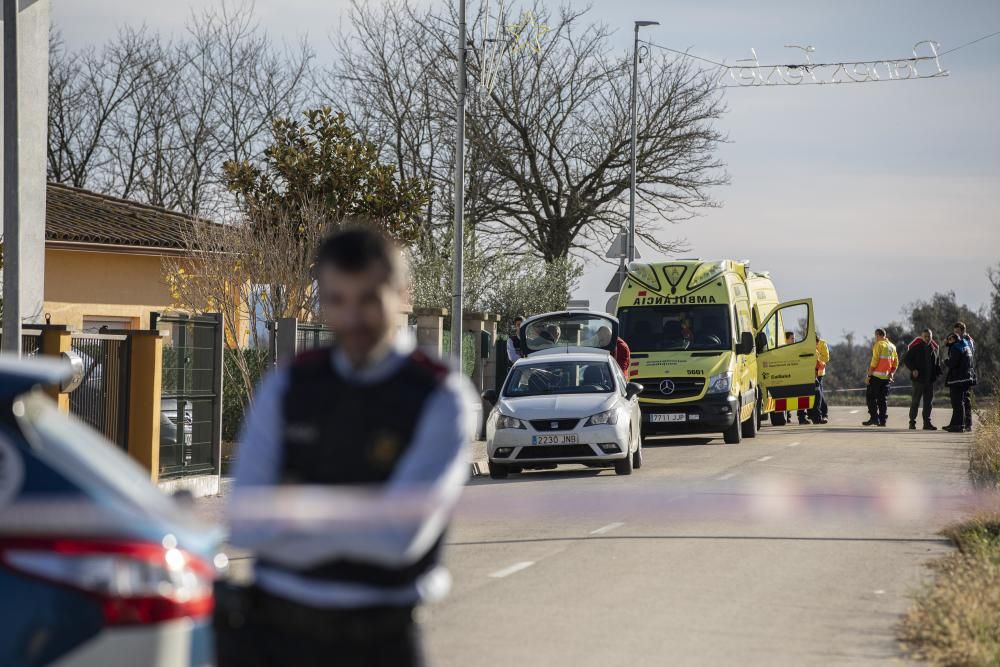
<point x="800" y="546"/>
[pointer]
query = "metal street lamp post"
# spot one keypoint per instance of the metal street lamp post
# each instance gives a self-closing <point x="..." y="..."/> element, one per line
<point x="458" y="250"/>
<point x="631" y="194"/>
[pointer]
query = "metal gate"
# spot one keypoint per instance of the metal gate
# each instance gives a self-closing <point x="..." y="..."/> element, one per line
<point x="289" y="337"/>
<point x="102" y="398"/>
<point x="191" y="402"/>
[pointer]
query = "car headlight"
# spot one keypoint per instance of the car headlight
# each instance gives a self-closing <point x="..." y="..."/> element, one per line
<point x="503" y="421"/>
<point x="603" y="418"/>
<point x="720" y="384"/>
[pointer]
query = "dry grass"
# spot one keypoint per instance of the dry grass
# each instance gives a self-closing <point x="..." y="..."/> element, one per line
<point x="984" y="454"/>
<point x="955" y="620"/>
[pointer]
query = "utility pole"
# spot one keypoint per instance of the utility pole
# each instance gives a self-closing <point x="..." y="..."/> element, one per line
<point x="456" y="304"/>
<point x="11" y="172"/>
<point x="635" y="82"/>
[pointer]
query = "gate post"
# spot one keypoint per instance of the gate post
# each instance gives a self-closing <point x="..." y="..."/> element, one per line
<point x="286" y="335"/>
<point x="53" y="341"/>
<point x="430" y="329"/>
<point x="145" y="385"/>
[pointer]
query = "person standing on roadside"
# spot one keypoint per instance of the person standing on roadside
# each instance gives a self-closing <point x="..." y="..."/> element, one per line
<point x="923" y="360"/>
<point x="623" y="355"/>
<point x="514" y="341"/>
<point x="881" y="371"/>
<point x="379" y="432"/>
<point x="820" y="411"/>
<point x="959" y="381"/>
<point x="960" y="331"/>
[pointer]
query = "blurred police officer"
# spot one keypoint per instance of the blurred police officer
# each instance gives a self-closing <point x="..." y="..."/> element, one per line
<point x="369" y="416"/>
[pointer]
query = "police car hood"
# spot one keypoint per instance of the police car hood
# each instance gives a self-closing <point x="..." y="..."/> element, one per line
<point x="556" y="406"/>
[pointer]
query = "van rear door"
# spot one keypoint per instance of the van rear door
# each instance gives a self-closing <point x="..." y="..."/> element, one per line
<point x="787" y="370"/>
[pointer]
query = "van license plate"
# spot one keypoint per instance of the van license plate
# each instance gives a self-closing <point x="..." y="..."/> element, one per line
<point x="668" y="417"/>
<point x="554" y="440"/>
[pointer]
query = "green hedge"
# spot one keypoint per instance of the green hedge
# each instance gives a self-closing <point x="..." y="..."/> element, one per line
<point x="234" y="397"/>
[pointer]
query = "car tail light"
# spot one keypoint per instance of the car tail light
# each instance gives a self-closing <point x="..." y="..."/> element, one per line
<point x="137" y="583"/>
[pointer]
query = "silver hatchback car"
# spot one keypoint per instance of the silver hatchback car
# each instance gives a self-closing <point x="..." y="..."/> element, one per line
<point x="566" y="401"/>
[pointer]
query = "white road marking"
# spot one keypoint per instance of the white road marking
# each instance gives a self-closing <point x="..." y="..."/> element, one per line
<point x="516" y="567"/>
<point x="880" y="592"/>
<point x="854" y="412"/>
<point x="765" y="458"/>
<point x="607" y="528"/>
<point x="793" y="444"/>
<point x="728" y="475"/>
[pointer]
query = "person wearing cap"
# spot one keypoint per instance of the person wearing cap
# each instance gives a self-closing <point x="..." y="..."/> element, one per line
<point x="383" y="431"/>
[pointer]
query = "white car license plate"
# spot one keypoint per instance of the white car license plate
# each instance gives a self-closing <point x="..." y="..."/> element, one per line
<point x="668" y="417"/>
<point x="554" y="440"/>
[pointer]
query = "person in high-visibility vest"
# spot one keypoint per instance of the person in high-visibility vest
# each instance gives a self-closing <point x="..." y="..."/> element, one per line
<point x="880" y="373"/>
<point x="820" y="411"/>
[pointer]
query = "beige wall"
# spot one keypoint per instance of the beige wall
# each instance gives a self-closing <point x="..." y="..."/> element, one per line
<point x="82" y="284"/>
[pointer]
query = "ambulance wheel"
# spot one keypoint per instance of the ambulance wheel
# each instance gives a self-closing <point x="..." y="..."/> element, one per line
<point x="734" y="434"/>
<point x="777" y="419"/>
<point x="749" y="427"/>
<point x="498" y="470"/>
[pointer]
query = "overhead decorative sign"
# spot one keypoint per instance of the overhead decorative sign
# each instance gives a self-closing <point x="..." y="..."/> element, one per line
<point x="924" y="64"/>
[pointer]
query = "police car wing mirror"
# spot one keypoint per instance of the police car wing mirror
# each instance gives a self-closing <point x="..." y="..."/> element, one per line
<point x="746" y="344"/>
<point x="633" y="389"/>
<point x="490" y="396"/>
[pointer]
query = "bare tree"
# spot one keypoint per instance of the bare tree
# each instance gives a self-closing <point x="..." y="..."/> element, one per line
<point x="154" y="121"/>
<point x="548" y="163"/>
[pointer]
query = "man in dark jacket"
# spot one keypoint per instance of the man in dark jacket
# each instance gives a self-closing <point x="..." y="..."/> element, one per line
<point x="959" y="381"/>
<point x="962" y="334"/>
<point x="924" y="362"/>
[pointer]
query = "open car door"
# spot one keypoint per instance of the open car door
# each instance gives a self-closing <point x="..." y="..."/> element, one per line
<point x="570" y="331"/>
<point x="787" y="370"/>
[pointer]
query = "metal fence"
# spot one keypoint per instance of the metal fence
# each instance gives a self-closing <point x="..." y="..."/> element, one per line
<point x="191" y="402"/>
<point x="30" y="343"/>
<point x="310" y="335"/>
<point x="102" y="398"/>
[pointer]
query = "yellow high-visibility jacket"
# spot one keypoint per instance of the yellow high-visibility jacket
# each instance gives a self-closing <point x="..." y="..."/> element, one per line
<point x="822" y="357"/>
<point x="884" y="360"/>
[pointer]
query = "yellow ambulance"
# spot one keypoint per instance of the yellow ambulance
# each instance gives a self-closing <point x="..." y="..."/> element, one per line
<point x="714" y="349"/>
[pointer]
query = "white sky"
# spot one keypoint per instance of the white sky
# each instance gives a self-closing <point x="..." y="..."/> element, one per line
<point x="864" y="197"/>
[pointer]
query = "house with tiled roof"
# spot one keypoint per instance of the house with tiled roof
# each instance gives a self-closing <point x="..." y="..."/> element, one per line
<point x="104" y="258"/>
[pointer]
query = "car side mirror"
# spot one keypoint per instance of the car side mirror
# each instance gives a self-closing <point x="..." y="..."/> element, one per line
<point x="490" y="396"/>
<point x="633" y="389"/>
<point x="746" y="344"/>
<point x="761" y="341"/>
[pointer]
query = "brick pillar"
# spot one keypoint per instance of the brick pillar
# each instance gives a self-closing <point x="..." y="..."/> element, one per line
<point x="476" y="323"/>
<point x="145" y="383"/>
<point x="430" y="329"/>
<point x="54" y="340"/>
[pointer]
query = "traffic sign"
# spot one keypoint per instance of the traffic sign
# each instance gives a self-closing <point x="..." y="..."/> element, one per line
<point x="619" y="247"/>
<point x="617" y="280"/>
